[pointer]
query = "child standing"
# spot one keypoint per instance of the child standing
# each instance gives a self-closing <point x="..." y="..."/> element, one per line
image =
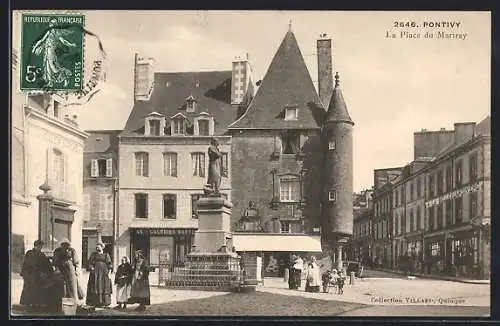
<point x="341" y="282"/>
<point x="326" y="278"/>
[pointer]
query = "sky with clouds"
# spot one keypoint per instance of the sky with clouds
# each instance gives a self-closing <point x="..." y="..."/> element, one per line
<point x="392" y="87"/>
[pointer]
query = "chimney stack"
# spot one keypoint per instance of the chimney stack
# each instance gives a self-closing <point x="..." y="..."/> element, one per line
<point x="143" y="78"/>
<point x="325" y="73"/>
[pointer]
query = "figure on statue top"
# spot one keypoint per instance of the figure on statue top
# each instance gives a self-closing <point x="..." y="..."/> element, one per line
<point x="214" y="169"/>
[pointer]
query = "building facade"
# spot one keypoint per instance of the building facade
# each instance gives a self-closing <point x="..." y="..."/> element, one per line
<point x="163" y="158"/>
<point x="382" y="249"/>
<point x="47" y="149"/>
<point x="100" y="184"/>
<point x="279" y="144"/>
<point x="441" y="205"/>
<point x="361" y="242"/>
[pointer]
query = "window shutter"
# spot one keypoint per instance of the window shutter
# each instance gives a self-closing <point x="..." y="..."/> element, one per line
<point x="146" y="165"/>
<point x="94" y="168"/>
<point x="109" y="167"/>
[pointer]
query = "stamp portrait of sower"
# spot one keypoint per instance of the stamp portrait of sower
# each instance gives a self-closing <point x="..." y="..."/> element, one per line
<point x="52" y="52"/>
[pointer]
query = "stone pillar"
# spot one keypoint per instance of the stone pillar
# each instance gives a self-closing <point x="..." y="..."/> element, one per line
<point x="45" y="220"/>
<point x="99" y="233"/>
<point x="214" y="223"/>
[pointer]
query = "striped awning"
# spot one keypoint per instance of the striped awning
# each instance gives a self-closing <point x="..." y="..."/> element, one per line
<point x="277" y="242"/>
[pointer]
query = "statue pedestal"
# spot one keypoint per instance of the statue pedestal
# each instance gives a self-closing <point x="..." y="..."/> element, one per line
<point x="214" y="223"/>
<point x="211" y="267"/>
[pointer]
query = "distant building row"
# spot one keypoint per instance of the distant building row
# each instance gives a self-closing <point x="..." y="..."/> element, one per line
<point x="433" y="215"/>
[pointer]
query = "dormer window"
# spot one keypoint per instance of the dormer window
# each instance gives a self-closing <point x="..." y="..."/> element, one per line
<point x="203" y="124"/>
<point x="291" y="113"/>
<point x="154" y="127"/>
<point x="203" y="127"/>
<point x="190" y="104"/>
<point x="178" y="124"/>
<point x="154" y="124"/>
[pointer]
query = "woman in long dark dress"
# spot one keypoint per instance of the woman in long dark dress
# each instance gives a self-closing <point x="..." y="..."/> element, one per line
<point x="99" y="286"/>
<point x="140" y="283"/>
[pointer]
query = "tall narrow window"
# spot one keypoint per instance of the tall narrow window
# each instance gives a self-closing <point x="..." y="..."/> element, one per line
<point x="169" y="206"/>
<point x="194" y="205"/>
<point x="170" y="164"/>
<point x="109" y="209"/>
<point x="224" y="165"/>
<point x="289" y="190"/>
<point x="203" y="127"/>
<point x="449" y="178"/>
<point x="458" y="173"/>
<point x="412" y="221"/>
<point x="473" y="205"/>
<point x="58" y="166"/>
<point x="473" y="167"/>
<point x="431" y="218"/>
<point x="439" y="216"/>
<point x="440" y="182"/>
<point x="101" y="164"/>
<point x="412" y="191"/>
<point x="419" y="218"/>
<point x="179" y="126"/>
<point x="142" y="164"/>
<point x="396" y="225"/>
<point x="154" y="127"/>
<point x="431" y="186"/>
<point x="290" y="141"/>
<point x="449" y="212"/>
<point x="419" y="188"/>
<point x="198" y="164"/>
<point x="458" y="210"/>
<point x="141" y="206"/>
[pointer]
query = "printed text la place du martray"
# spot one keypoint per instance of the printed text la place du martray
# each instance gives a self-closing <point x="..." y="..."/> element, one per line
<point x="446" y="30"/>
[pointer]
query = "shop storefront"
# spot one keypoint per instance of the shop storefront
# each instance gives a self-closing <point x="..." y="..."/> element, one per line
<point x="434" y="260"/>
<point x="465" y="254"/>
<point x="414" y="248"/>
<point x="172" y="245"/>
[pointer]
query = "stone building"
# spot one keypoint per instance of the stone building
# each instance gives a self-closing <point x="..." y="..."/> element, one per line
<point x="47" y="149"/>
<point x="440" y="205"/>
<point x="299" y="178"/>
<point x="100" y="185"/>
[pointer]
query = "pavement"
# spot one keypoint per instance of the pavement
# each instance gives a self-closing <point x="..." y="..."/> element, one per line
<point x="380" y="294"/>
<point x="436" y="277"/>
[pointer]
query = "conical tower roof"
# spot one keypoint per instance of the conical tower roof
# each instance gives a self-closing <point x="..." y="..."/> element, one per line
<point x="337" y="109"/>
<point x="287" y="83"/>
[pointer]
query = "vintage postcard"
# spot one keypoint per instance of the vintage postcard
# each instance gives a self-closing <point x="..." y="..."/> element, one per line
<point x="260" y="163"/>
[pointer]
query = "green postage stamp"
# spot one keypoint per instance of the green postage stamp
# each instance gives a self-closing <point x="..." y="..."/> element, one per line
<point x="52" y="52"/>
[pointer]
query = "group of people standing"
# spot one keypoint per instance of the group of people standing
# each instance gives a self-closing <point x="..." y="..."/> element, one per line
<point x="46" y="283"/>
<point x="298" y="266"/>
<point x="313" y="277"/>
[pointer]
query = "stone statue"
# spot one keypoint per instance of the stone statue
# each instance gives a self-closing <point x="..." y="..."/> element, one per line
<point x="214" y="168"/>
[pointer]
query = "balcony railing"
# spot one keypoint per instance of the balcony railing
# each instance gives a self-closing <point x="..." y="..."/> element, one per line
<point x="63" y="192"/>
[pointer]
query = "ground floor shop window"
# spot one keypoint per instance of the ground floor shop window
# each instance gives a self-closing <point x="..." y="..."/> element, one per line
<point x="465" y="256"/>
<point x="160" y="246"/>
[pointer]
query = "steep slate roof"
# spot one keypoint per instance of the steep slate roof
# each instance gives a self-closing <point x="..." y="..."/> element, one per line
<point x="337" y="109"/>
<point x="286" y="83"/>
<point x="213" y="95"/>
<point x="101" y="141"/>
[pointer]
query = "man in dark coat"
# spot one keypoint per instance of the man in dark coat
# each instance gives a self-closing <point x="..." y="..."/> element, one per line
<point x="37" y="273"/>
